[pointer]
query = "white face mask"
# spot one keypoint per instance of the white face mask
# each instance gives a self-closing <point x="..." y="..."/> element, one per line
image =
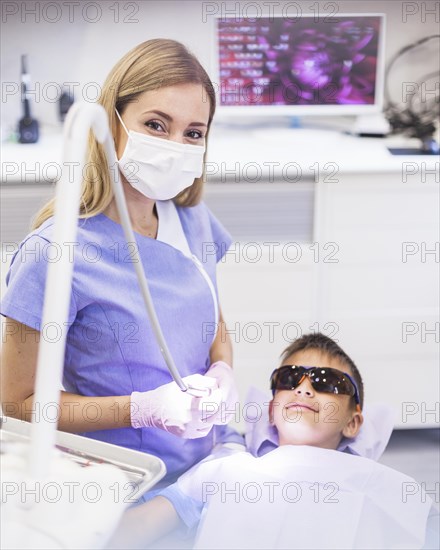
<point x="158" y="168"/>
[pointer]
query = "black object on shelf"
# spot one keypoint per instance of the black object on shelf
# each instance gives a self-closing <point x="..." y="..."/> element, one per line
<point x="429" y="147"/>
<point x="64" y="103"/>
<point x="418" y="117"/>
<point x="409" y="151"/>
<point x="28" y="127"/>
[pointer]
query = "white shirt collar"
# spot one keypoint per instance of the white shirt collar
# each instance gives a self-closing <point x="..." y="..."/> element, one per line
<point x="170" y="230"/>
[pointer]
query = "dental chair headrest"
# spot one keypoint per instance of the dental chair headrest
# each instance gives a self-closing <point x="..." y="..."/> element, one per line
<point x="371" y="441"/>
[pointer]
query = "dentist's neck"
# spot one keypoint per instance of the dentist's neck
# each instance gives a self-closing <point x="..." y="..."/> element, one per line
<point x="141" y="210"/>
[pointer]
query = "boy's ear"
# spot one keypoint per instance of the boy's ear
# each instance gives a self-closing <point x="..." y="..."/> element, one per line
<point x="353" y="426"/>
<point x="271" y="412"/>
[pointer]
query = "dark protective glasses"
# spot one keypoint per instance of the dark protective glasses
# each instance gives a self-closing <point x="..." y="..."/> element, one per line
<point x="323" y="379"/>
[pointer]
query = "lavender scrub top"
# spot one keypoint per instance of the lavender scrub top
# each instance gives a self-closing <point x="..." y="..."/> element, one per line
<point x="111" y="349"/>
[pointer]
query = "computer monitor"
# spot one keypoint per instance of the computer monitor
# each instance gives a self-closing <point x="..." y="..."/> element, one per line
<point x="299" y="66"/>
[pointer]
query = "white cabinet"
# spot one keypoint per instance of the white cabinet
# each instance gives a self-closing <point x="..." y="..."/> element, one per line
<point x="384" y="290"/>
<point x="368" y="277"/>
<point x="19" y="202"/>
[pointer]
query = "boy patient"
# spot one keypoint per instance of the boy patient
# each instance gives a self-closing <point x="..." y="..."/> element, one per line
<point x="317" y="401"/>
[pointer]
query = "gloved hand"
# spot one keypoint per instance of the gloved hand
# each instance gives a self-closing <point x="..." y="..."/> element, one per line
<point x="180" y="413"/>
<point x="230" y="404"/>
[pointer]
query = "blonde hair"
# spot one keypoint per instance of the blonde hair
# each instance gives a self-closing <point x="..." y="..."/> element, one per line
<point x="151" y="65"/>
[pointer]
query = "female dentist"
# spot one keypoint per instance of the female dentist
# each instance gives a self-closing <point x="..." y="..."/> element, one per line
<point x="160" y="103"/>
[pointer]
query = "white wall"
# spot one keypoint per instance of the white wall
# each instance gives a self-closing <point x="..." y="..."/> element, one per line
<point x="75" y="50"/>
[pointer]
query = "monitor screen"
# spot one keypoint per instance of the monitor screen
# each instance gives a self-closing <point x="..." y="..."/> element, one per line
<point x="272" y="64"/>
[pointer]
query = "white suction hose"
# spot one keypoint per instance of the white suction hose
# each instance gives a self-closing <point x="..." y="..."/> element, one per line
<point x="79" y="120"/>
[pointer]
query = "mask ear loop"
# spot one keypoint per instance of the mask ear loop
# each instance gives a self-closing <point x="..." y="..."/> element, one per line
<point x="121" y="121"/>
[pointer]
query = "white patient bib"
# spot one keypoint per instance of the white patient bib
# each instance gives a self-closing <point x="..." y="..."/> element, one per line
<point x="309" y="498"/>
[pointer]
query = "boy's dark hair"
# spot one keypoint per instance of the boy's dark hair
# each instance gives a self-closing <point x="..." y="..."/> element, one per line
<point x="319" y="342"/>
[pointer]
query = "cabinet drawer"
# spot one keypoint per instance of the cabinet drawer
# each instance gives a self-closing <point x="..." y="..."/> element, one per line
<point x="18" y="205"/>
<point x="255" y="288"/>
<point x="379" y="288"/>
<point x="402" y="246"/>
<point x="357" y="206"/>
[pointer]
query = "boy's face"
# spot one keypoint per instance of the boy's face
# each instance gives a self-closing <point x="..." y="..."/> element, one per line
<point x="304" y="416"/>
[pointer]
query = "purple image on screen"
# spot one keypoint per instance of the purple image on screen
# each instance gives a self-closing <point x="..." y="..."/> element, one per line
<point x="276" y="61"/>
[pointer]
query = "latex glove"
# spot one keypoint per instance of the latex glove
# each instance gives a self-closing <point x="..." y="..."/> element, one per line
<point x="230" y="405"/>
<point x="180" y="413"/>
